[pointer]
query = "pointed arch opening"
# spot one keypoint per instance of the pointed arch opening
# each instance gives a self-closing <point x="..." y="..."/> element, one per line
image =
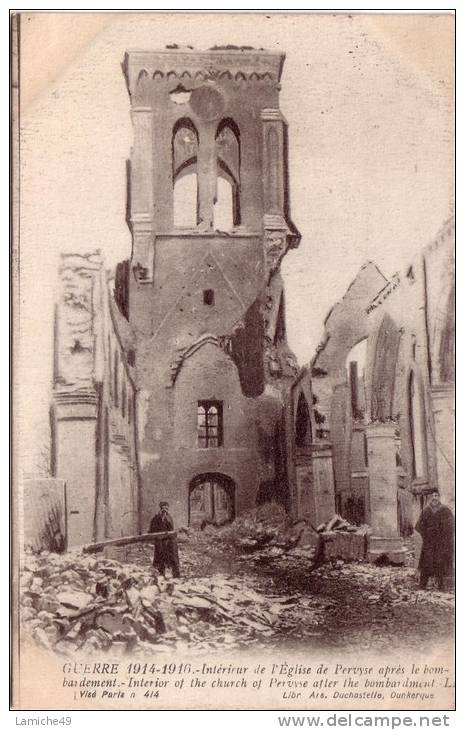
<point x="185" y="143"/>
<point x="303" y="426"/>
<point x="227" y="205"/>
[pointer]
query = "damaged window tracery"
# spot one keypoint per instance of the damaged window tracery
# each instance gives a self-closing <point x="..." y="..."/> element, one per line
<point x="227" y="209"/>
<point x="185" y="144"/>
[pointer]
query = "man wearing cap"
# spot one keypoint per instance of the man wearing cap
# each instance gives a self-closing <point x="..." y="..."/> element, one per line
<point x="165" y="554"/>
<point x="436" y="527"/>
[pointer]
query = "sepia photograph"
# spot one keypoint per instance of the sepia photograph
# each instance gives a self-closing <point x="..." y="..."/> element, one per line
<point x="233" y="271"/>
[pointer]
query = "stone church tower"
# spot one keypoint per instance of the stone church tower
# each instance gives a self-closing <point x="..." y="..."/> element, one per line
<point x="209" y="215"/>
<point x="189" y="371"/>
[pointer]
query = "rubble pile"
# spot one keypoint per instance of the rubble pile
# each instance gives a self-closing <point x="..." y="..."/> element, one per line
<point x="226" y="599"/>
<point x="388" y="586"/>
<point x="268" y="519"/>
<point x="267" y="534"/>
<point x="75" y="602"/>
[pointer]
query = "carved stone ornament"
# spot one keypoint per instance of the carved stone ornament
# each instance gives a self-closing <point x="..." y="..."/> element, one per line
<point x="275" y="246"/>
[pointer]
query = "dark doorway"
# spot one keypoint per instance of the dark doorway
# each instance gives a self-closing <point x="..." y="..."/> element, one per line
<point x="211" y="500"/>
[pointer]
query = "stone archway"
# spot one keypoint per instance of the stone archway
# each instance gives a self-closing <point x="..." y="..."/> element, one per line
<point x="211" y="499"/>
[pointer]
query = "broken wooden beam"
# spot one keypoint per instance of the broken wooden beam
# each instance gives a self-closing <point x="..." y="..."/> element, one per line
<point x="96" y="547"/>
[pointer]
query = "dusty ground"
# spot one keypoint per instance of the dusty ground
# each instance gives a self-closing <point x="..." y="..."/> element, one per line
<point x="336" y="605"/>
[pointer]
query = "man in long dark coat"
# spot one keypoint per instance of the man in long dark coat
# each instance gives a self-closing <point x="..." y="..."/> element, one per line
<point x="165" y="554"/>
<point x="436" y="526"/>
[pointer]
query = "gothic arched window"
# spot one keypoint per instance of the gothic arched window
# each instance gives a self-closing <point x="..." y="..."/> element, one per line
<point x="227" y="210"/>
<point x="210" y="423"/>
<point x="416" y="423"/>
<point x="185" y="143"/>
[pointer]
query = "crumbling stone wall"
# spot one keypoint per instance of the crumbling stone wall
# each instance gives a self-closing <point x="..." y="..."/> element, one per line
<point x="93" y="435"/>
<point x="415" y="308"/>
<point x="345" y="326"/>
<point x="408" y="416"/>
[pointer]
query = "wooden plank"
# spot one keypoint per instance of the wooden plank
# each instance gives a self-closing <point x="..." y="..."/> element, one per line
<point x="96" y="547"/>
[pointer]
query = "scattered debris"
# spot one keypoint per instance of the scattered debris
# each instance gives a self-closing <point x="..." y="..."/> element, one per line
<point x="75" y="602"/>
<point x="266" y="534"/>
<point x="254" y="582"/>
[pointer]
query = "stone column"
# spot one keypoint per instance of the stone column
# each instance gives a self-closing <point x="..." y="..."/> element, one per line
<point x="383" y="493"/>
<point x="444" y="431"/>
<point x="75" y="451"/>
<point x="206" y="175"/>
<point x="304" y="503"/>
<point x="323" y="482"/>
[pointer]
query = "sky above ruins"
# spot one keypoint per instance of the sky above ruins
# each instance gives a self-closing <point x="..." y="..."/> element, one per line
<point x="368" y="99"/>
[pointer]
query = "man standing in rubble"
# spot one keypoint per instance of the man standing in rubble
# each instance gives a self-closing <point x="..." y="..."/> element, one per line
<point x="436" y="527"/>
<point x="165" y="554"/>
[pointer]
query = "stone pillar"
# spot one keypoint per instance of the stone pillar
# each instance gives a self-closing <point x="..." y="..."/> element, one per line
<point x="75" y="452"/>
<point x="304" y="504"/>
<point x="206" y="176"/>
<point x="323" y="482"/>
<point x="383" y="493"/>
<point x="444" y="431"/>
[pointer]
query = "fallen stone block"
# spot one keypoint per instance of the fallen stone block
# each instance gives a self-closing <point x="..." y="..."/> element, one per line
<point x="111" y="622"/>
<point x="74" y="599"/>
<point x="150" y="593"/>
